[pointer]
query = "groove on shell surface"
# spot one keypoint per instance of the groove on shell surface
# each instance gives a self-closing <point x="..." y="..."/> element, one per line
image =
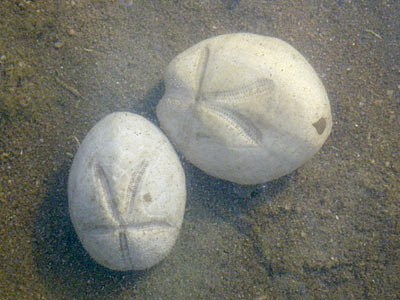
<point x="110" y="205"/>
<point x="160" y="224"/>
<point x="221" y="107"/>
<point x="201" y="71"/>
<point x="262" y="89"/>
<point x="104" y="193"/>
<point x="243" y="132"/>
<point x="120" y="211"/>
<point x="124" y="248"/>
<point x="134" y="187"/>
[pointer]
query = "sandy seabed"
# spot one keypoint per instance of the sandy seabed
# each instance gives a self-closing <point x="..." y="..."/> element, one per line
<point x="330" y="230"/>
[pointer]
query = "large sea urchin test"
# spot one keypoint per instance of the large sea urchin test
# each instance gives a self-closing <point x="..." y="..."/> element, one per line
<point x="127" y="193"/>
<point x="244" y="107"/>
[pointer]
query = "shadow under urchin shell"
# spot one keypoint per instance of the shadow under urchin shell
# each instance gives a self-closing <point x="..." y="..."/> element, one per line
<point x="65" y="266"/>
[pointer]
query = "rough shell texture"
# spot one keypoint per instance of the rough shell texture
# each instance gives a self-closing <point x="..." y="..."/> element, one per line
<point x="126" y="193"/>
<point x="244" y="107"/>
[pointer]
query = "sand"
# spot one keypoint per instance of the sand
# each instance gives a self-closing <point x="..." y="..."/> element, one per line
<point x="330" y="230"/>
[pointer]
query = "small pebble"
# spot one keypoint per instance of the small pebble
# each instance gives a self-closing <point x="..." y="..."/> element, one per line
<point x="71" y="32"/>
<point x="58" y="44"/>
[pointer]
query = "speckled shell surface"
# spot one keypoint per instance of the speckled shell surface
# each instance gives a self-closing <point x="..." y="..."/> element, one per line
<point x="244" y="107"/>
<point x="127" y="193"/>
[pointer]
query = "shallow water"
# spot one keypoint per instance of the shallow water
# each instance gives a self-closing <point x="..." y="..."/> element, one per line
<point x="330" y="230"/>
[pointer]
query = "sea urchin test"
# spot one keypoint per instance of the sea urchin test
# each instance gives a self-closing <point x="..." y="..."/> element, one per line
<point x="127" y="193"/>
<point x="244" y="107"/>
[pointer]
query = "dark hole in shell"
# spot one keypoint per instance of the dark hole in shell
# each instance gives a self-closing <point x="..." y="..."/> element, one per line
<point x="320" y="125"/>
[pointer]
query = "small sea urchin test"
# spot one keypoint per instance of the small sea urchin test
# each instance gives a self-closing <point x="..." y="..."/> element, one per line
<point x="244" y="107"/>
<point x="127" y="193"/>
